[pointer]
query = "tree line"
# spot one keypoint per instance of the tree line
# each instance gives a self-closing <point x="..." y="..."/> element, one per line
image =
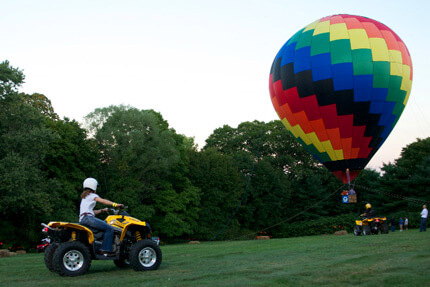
<point x="245" y="179"/>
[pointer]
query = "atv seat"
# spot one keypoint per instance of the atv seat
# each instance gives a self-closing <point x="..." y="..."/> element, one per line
<point x="98" y="234"/>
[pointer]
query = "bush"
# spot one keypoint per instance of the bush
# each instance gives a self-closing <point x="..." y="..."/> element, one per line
<point x="324" y="225"/>
<point x="329" y="225"/>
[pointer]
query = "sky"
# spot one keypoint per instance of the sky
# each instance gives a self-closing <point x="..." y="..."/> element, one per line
<point x="201" y="64"/>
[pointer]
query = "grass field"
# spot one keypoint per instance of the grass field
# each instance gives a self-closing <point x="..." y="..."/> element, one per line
<point x="395" y="259"/>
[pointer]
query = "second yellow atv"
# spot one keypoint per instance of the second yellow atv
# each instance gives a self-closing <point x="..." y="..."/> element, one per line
<point x="368" y="226"/>
<point x="74" y="246"/>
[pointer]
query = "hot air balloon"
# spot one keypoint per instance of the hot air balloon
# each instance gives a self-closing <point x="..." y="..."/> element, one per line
<point x="339" y="85"/>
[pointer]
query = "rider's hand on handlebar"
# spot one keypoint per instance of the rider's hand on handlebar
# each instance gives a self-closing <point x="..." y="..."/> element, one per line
<point x="105" y="209"/>
<point x="118" y="205"/>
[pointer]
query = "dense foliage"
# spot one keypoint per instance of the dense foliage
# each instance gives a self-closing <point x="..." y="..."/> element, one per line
<point x="246" y="179"/>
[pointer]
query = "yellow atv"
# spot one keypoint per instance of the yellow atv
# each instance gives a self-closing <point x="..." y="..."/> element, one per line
<point x="368" y="226"/>
<point x="73" y="245"/>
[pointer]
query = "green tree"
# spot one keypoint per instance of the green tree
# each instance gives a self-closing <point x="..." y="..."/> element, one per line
<point x="413" y="155"/>
<point x="24" y="141"/>
<point x="43" y="161"/>
<point x="10" y="79"/>
<point x="268" y="197"/>
<point x="261" y="140"/>
<point x="369" y="190"/>
<point x="41" y="103"/>
<point x="143" y="164"/>
<point x="285" y="179"/>
<point x="70" y="158"/>
<point x="406" y="181"/>
<point x="311" y="195"/>
<point x="219" y="180"/>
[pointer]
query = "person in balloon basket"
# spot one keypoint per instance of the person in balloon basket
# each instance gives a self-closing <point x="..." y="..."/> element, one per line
<point x="87" y="214"/>
<point x="424" y="214"/>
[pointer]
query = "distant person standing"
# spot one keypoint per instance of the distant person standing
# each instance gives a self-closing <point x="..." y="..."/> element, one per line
<point x="424" y="214"/>
<point x="406" y="223"/>
<point x="401" y="224"/>
<point x="393" y="224"/>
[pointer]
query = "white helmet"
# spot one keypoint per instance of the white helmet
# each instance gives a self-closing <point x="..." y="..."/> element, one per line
<point x="90" y="183"/>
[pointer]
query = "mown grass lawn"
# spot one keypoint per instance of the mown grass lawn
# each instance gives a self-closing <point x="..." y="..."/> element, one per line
<point x="395" y="259"/>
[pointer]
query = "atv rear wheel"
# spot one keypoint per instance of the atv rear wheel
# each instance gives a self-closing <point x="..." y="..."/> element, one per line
<point x="49" y="254"/>
<point x="145" y="255"/>
<point x="375" y="228"/>
<point x="367" y="230"/>
<point x="72" y="258"/>
<point x="357" y="230"/>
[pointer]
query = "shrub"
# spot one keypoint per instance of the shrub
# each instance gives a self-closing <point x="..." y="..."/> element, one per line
<point x="324" y="225"/>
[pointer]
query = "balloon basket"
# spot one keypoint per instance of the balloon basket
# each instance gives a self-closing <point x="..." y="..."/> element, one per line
<point x="348" y="198"/>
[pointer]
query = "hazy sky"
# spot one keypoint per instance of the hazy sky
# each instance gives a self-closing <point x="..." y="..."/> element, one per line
<point x="201" y="64"/>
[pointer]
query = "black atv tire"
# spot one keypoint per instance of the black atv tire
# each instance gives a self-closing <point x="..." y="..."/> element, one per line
<point x="384" y="228"/>
<point x="72" y="258"/>
<point x="122" y="263"/>
<point x="145" y="255"/>
<point x="367" y="230"/>
<point x="358" y="230"/>
<point x="375" y="228"/>
<point x="49" y="254"/>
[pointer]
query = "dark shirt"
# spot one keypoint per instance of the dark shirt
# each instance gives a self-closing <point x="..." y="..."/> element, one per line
<point x="370" y="213"/>
<point x="367" y="213"/>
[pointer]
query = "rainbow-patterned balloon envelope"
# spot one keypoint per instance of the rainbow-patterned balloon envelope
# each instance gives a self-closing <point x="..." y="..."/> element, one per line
<point x="339" y="85"/>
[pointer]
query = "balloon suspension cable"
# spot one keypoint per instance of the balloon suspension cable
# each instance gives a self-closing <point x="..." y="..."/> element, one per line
<point x="290" y="218"/>
<point x="412" y="200"/>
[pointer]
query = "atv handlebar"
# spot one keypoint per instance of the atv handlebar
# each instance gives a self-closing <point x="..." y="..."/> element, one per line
<point x="118" y="211"/>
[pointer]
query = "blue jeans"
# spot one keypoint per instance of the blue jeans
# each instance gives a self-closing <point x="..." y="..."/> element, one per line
<point x="423" y="224"/>
<point x="96" y="223"/>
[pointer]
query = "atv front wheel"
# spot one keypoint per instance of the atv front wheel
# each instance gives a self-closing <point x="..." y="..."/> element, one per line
<point x="357" y="230"/>
<point x="367" y="230"/>
<point x="49" y="254"/>
<point x="72" y="258"/>
<point x="145" y="255"/>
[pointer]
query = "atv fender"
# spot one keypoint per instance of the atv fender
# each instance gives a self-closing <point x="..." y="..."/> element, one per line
<point x="68" y="225"/>
<point x="134" y="225"/>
